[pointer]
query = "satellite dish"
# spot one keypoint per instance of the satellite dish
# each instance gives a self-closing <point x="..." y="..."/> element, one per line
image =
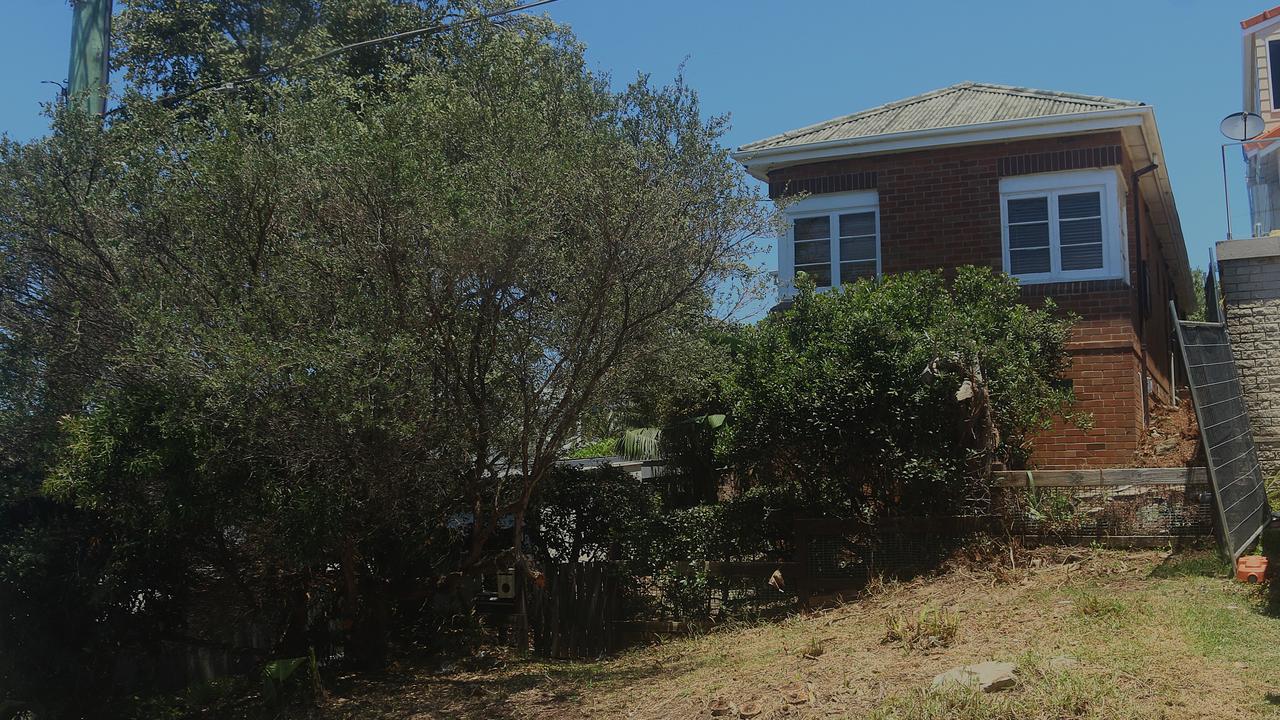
<point x="1242" y="126"/>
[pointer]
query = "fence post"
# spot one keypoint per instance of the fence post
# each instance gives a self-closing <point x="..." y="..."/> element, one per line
<point x="802" y="580"/>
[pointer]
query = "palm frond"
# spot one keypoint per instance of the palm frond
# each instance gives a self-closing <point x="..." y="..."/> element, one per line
<point x="641" y="443"/>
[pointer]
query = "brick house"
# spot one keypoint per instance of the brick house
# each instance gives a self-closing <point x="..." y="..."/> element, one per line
<point x="1054" y="188"/>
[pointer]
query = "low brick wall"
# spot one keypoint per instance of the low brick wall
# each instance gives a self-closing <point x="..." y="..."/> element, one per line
<point x="1250" y="278"/>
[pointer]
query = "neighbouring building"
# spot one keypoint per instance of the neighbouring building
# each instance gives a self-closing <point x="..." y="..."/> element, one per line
<point x="1250" y="272"/>
<point x="1066" y="192"/>
<point x="1249" y="267"/>
<point x="1260" y="38"/>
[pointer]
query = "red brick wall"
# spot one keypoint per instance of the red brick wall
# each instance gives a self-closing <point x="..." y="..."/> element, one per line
<point x="940" y="208"/>
<point x="1157" y="328"/>
<point x="1108" y="388"/>
<point x="1104" y="374"/>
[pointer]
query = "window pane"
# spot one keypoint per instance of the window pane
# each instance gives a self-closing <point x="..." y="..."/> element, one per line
<point x="852" y="271"/>
<point x="1022" y="262"/>
<point x="858" y="224"/>
<point x="1029" y="236"/>
<point x="813" y="228"/>
<point x="1273" y="52"/>
<point x="1029" y="210"/>
<point x="1078" y="232"/>
<point x="1080" y="205"/>
<point x="815" y="251"/>
<point x="821" y="274"/>
<point x="858" y="249"/>
<point x="1082" y="257"/>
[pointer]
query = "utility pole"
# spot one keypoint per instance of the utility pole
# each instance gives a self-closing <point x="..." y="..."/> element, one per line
<point x="88" y="74"/>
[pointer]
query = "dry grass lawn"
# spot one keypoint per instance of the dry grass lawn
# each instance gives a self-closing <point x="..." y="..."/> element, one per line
<point x="1156" y="635"/>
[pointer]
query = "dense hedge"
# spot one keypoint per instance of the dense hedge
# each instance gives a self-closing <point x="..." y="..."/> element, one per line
<point x="850" y="398"/>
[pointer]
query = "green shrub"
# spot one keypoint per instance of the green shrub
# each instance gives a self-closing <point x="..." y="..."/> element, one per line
<point x="603" y="447"/>
<point x="1097" y="606"/>
<point x="585" y="514"/>
<point x="849" y="399"/>
<point x="930" y="628"/>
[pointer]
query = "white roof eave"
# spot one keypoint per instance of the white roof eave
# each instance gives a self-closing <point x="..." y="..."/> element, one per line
<point x="758" y="162"/>
<point x="1160" y="194"/>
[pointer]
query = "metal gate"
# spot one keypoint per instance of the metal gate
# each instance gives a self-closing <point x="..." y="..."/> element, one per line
<point x="1238" y="486"/>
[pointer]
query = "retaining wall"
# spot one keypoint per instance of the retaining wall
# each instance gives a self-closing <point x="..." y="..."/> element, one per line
<point x="1250" y="280"/>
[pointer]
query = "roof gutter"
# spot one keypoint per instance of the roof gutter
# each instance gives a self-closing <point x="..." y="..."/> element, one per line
<point x="1161" y="195"/>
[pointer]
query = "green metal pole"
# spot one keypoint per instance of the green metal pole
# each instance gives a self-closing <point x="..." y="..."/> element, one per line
<point x="88" y="73"/>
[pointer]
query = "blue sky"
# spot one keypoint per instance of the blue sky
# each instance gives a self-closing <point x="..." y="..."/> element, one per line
<point x="779" y="65"/>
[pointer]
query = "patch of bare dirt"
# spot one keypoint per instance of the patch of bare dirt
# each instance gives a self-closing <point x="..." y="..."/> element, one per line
<point x="1173" y="438"/>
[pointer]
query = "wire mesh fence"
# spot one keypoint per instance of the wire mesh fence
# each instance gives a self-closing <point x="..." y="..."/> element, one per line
<point x="1116" y="508"/>
<point x="1114" y="513"/>
<point x="1224" y="425"/>
<point x="833" y="557"/>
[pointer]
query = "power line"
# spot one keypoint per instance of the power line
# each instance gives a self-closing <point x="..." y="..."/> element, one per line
<point x="172" y="100"/>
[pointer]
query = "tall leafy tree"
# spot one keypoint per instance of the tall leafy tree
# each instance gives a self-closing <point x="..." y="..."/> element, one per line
<point x="175" y="48"/>
<point x="314" y="346"/>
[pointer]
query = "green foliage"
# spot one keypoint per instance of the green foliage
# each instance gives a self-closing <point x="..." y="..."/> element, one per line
<point x="172" y="47"/>
<point x="927" y="629"/>
<point x="604" y="447"/>
<point x="1194" y="564"/>
<point x="1049" y="507"/>
<point x="1097" y="606"/>
<point x="1197" y="288"/>
<point x="265" y="344"/>
<point x="275" y="678"/>
<point x="751" y="526"/>
<point x="658" y="442"/>
<point x="585" y="514"/>
<point x="605" y="513"/>
<point x="849" y="398"/>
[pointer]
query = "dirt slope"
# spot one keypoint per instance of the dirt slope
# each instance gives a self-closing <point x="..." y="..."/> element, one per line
<point x="1153" y="636"/>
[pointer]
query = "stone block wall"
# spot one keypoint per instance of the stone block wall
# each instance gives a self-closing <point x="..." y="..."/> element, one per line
<point x="1250" y="279"/>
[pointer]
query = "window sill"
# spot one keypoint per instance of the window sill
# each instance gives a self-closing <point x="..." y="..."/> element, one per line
<point x="1049" y="278"/>
<point x="1073" y="287"/>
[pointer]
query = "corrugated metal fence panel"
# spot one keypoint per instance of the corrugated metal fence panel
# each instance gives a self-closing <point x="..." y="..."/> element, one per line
<point x="1234" y="470"/>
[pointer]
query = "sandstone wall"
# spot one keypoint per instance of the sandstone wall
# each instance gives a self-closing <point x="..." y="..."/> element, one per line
<point x="1250" y="278"/>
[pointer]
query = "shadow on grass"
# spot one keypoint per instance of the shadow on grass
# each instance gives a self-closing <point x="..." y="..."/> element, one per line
<point x="1193" y="563"/>
<point x="519" y="689"/>
<point x="1210" y="565"/>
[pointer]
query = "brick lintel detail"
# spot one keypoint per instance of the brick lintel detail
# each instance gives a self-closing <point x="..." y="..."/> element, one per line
<point x="1093" y="157"/>
<point x="842" y="182"/>
<point x="1073" y="287"/>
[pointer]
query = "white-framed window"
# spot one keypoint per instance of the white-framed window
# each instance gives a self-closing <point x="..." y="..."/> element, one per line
<point x="1063" y="226"/>
<point x="833" y="238"/>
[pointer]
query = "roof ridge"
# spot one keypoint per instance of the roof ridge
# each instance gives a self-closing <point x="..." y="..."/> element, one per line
<point x="1037" y="93"/>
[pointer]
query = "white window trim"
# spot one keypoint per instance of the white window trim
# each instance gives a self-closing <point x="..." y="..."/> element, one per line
<point x="1114" y="250"/>
<point x="827" y="205"/>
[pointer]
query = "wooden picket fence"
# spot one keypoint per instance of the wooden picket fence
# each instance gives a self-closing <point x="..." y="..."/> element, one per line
<point x="571" y="614"/>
